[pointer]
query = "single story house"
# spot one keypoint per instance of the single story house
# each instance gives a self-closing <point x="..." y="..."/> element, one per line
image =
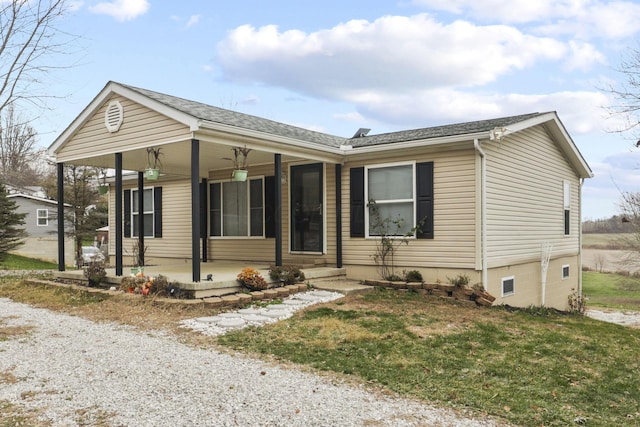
<point x="495" y="198"/>
<point x="41" y="225"/>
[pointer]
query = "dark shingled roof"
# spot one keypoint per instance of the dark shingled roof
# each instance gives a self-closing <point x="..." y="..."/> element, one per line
<point x="438" y="131"/>
<point x="239" y="120"/>
<point x="247" y="121"/>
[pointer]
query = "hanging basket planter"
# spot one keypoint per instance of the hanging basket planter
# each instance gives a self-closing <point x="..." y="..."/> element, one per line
<point x="152" y="174"/>
<point x="103" y="189"/>
<point x="239" y="175"/>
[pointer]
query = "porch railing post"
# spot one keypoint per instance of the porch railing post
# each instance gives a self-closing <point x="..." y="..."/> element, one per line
<point x="277" y="160"/>
<point x="60" y="216"/>
<point x="118" y="230"/>
<point x="195" y="210"/>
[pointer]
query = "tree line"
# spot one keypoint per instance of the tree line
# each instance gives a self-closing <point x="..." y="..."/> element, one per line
<point x="614" y="224"/>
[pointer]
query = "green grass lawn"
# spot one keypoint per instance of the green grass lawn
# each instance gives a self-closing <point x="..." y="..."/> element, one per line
<point x="16" y="262"/>
<point x="531" y="367"/>
<point x="611" y="290"/>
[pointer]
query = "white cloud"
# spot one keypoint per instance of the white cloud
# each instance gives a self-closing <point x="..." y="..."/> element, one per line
<point x="495" y="10"/>
<point x="121" y="10"/>
<point x="353" y="116"/>
<point x="393" y="53"/>
<point x="583" y="56"/>
<point x="193" y="20"/>
<point x="578" y="18"/>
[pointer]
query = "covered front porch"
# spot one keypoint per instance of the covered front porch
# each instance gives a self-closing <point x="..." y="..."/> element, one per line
<point x="289" y="210"/>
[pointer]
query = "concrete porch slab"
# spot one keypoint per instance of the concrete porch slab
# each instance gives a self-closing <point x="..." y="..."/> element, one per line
<point x="223" y="277"/>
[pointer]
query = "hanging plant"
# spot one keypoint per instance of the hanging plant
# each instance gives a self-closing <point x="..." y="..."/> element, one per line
<point x="103" y="187"/>
<point x="153" y="163"/>
<point x="239" y="160"/>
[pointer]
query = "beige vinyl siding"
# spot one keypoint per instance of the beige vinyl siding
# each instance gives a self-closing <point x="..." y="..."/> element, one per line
<point x="176" y="223"/>
<point x="141" y="126"/>
<point x="241" y="248"/>
<point x="454" y="243"/>
<point x="525" y="188"/>
<point x="263" y="249"/>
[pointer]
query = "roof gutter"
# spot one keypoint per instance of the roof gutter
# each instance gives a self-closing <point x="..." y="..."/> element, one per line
<point x="483" y="211"/>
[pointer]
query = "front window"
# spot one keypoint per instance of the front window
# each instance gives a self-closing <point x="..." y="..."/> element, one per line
<point x="237" y="208"/>
<point x="567" y="208"/>
<point x="43" y="217"/>
<point x="147" y="211"/>
<point x="391" y="187"/>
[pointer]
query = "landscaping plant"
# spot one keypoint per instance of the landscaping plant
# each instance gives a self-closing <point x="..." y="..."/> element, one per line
<point x="390" y="235"/>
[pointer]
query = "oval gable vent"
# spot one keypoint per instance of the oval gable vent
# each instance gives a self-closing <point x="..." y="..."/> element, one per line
<point x="113" y="116"/>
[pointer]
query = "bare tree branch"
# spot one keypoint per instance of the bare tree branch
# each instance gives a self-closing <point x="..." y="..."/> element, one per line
<point x="29" y="40"/>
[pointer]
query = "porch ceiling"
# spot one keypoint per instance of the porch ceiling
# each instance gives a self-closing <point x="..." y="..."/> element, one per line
<point x="176" y="157"/>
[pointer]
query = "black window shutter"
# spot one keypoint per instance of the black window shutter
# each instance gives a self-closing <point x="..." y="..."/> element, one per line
<point x="127" y="213"/>
<point x="157" y="212"/>
<point x="357" y="201"/>
<point x="203" y="209"/>
<point x="270" y="206"/>
<point x="424" y="194"/>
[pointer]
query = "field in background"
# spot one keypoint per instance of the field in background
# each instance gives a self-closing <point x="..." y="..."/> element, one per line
<point x="611" y="241"/>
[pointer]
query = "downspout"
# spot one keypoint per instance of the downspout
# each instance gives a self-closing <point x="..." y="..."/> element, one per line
<point x="483" y="211"/>
<point x="580" y="238"/>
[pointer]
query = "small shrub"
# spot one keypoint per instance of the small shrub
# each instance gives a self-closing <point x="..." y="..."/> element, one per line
<point x="252" y="279"/>
<point x="393" y="278"/>
<point x="460" y="280"/>
<point x="287" y="275"/>
<point x="412" y="276"/>
<point x="577" y="302"/>
<point x="159" y="285"/>
<point x="95" y="272"/>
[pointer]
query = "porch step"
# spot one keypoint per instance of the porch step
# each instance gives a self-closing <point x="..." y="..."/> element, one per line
<point x="206" y="289"/>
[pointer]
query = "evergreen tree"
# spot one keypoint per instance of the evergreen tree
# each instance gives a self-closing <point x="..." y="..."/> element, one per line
<point x="11" y="234"/>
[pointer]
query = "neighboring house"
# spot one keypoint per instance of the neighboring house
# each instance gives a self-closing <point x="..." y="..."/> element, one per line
<point x="493" y="194"/>
<point x="41" y="225"/>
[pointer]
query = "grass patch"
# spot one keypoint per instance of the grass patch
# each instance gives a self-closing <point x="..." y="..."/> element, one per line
<point x="611" y="290"/>
<point x="17" y="262"/>
<point x="145" y="313"/>
<point x="530" y="367"/>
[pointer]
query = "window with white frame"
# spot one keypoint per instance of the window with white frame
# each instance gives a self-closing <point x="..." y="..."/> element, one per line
<point x="567" y="208"/>
<point x="565" y="271"/>
<point x="42" y="216"/>
<point x="236" y="208"/>
<point x="508" y="286"/>
<point x="392" y="189"/>
<point x="147" y="211"/>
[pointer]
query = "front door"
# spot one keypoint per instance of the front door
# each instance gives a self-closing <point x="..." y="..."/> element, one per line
<point x="306" y="208"/>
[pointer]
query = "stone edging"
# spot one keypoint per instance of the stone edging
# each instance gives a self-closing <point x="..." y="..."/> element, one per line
<point x="458" y="293"/>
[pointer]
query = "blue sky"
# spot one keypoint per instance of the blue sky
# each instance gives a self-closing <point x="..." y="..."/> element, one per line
<point x="336" y="66"/>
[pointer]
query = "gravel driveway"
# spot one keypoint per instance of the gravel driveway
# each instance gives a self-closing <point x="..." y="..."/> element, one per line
<point x="73" y="371"/>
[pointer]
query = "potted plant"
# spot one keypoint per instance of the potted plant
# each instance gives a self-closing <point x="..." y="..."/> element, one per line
<point x="239" y="161"/>
<point x="252" y="279"/>
<point x="153" y="163"/>
<point x="103" y="187"/>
